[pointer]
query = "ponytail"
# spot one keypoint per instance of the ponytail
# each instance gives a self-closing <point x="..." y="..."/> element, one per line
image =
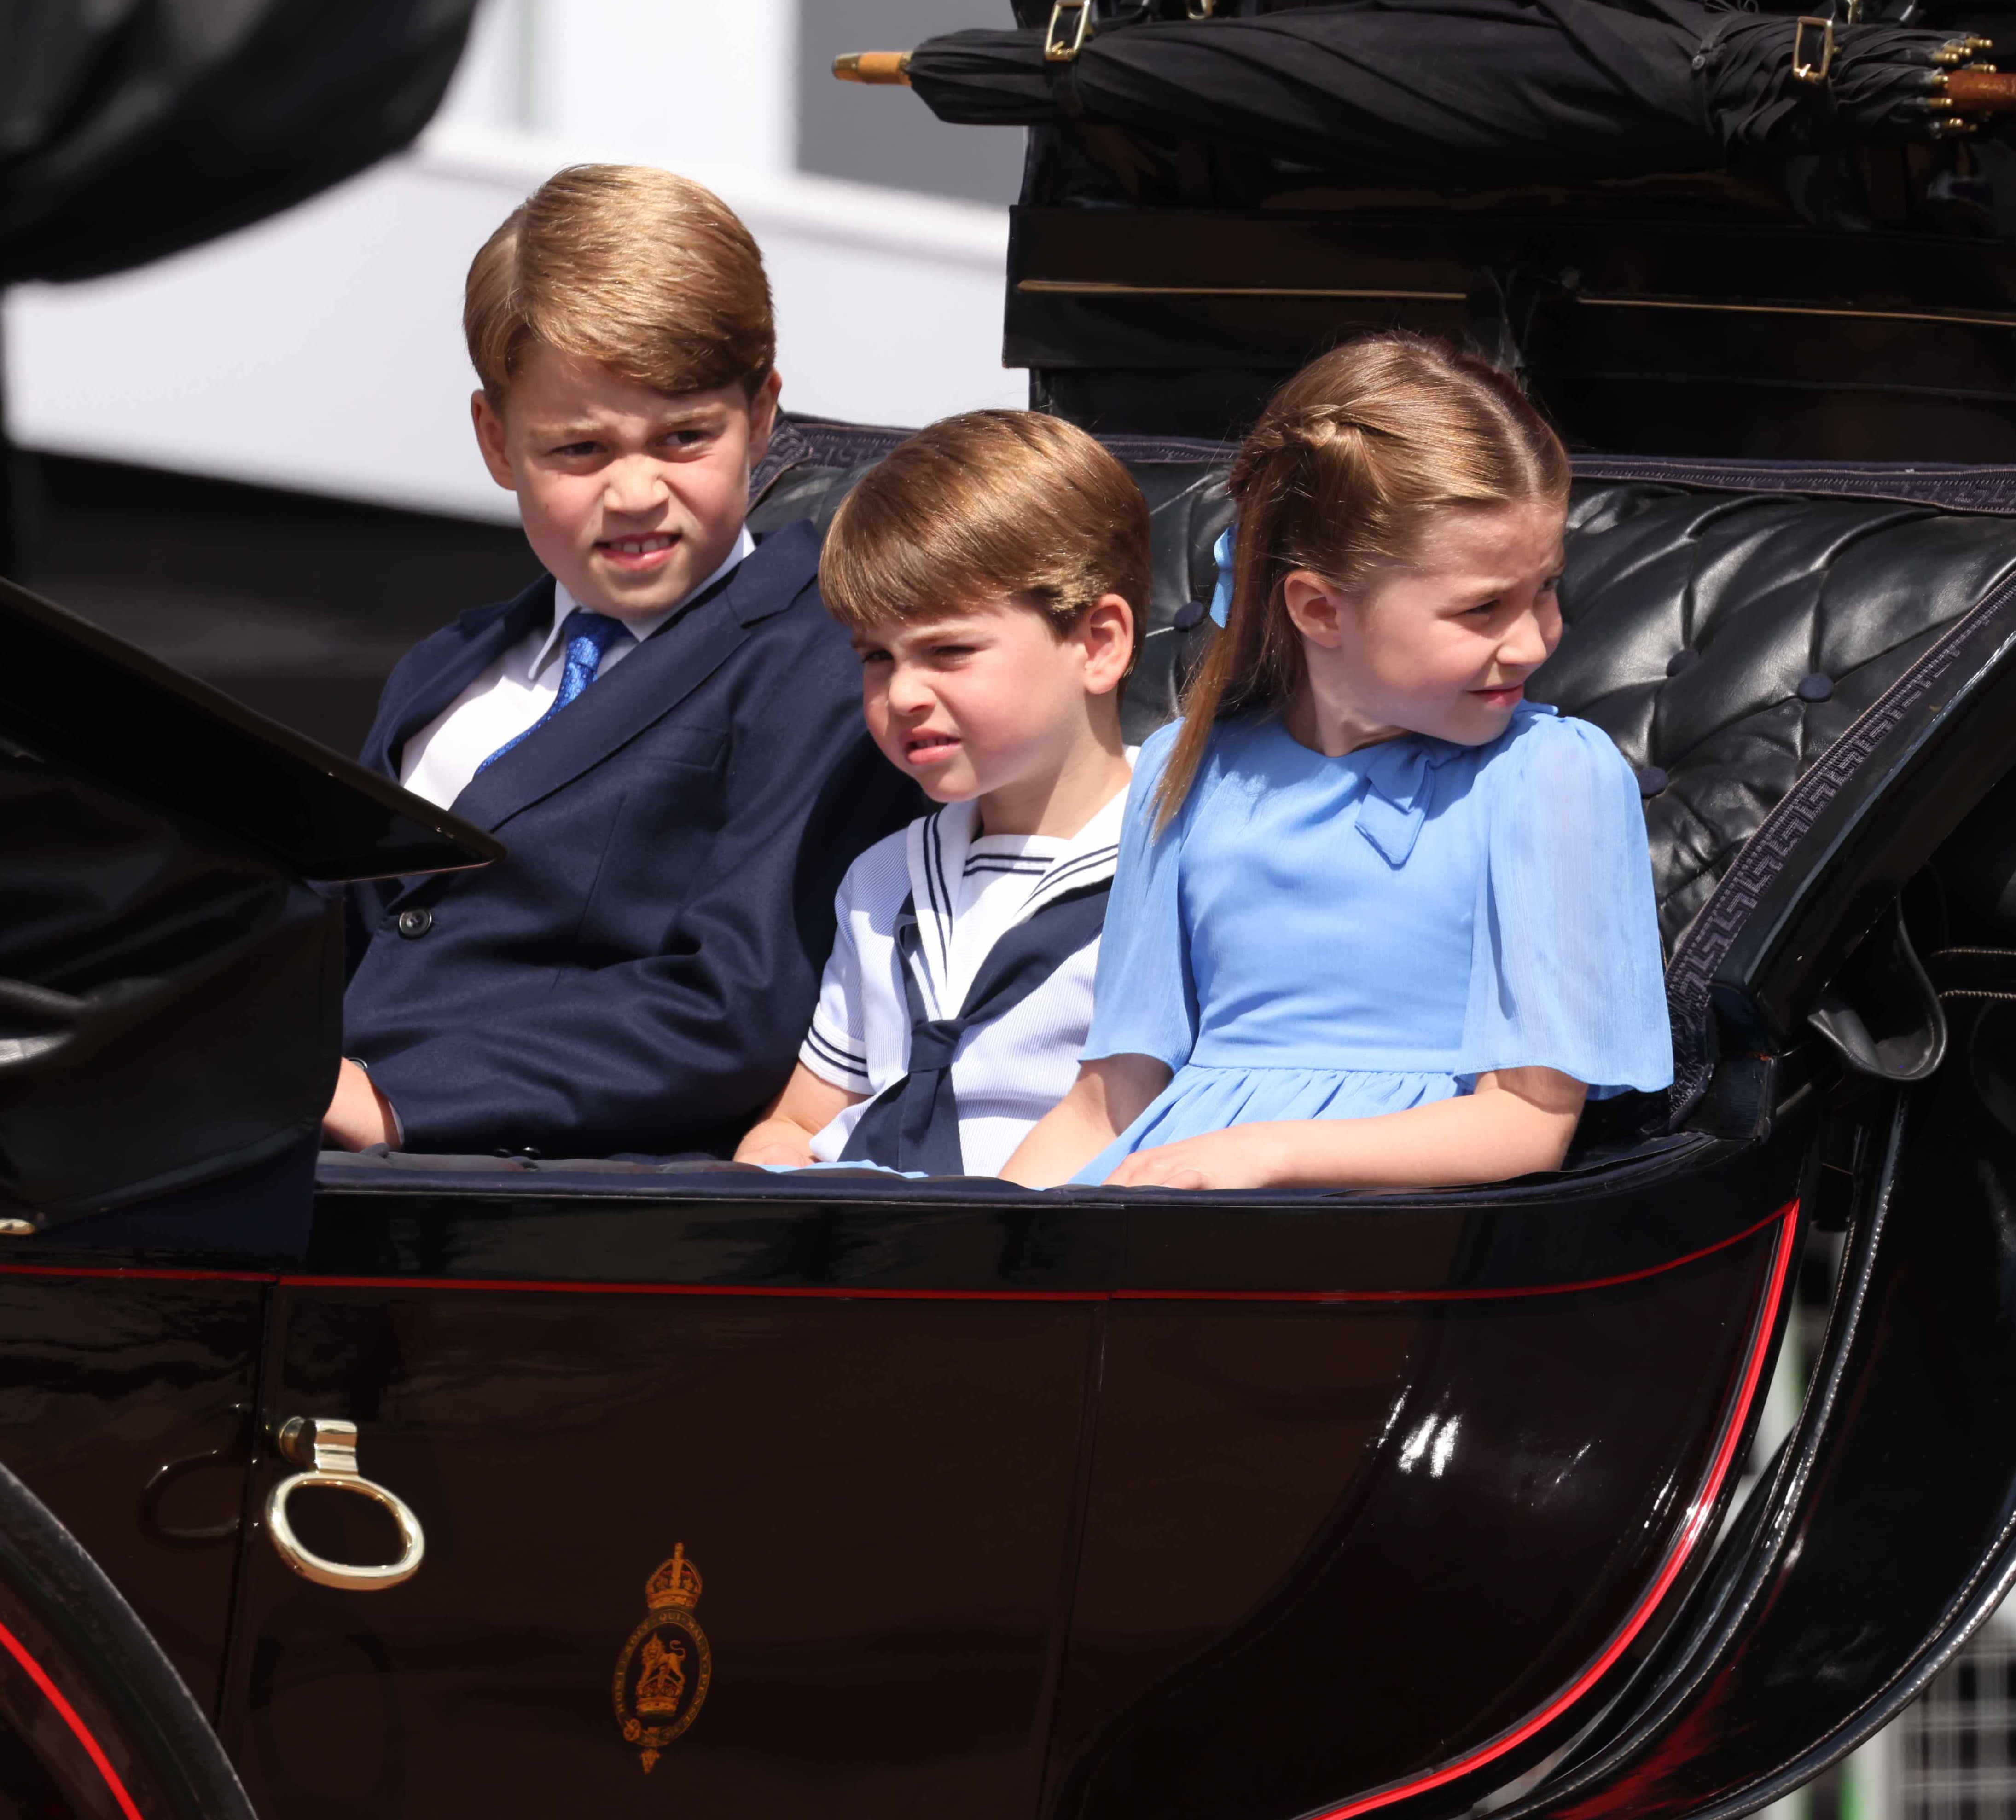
<point x="1341" y="475"/>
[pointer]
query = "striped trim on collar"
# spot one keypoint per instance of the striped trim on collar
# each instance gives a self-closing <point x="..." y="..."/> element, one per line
<point x="938" y="852"/>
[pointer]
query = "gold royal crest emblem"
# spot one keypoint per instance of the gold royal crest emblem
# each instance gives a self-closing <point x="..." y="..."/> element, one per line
<point x="661" y="1676"/>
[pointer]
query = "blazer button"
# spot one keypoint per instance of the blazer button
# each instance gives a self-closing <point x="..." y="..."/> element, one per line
<point x="416" y="922"/>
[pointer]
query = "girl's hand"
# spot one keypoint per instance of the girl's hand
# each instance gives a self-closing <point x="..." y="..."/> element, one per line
<point x="1518" y="1121"/>
<point x="1108" y="1097"/>
<point x="1245" y="1156"/>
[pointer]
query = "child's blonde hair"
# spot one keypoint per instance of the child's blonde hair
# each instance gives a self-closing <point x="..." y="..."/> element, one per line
<point x="990" y="506"/>
<point x="1347" y="464"/>
<point x="642" y="272"/>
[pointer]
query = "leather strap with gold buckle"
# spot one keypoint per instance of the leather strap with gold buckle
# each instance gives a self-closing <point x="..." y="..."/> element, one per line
<point x="1062" y="42"/>
<point x="1804" y="69"/>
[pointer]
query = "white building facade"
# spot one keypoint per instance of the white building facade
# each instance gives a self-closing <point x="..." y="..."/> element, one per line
<point x="320" y="350"/>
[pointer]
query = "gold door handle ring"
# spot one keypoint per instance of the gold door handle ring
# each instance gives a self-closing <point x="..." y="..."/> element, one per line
<point x="328" y="1450"/>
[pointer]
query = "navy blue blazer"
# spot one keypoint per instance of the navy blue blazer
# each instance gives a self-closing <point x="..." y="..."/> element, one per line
<point x="638" y="974"/>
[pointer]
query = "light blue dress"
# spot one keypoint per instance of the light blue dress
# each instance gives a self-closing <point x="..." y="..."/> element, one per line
<point x="1329" y="938"/>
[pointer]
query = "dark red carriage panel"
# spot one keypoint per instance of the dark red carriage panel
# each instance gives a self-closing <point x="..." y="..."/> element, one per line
<point x="1884" y="1536"/>
<point x="1340" y="1553"/>
<point x="126" y="1405"/>
<point x="872" y="1493"/>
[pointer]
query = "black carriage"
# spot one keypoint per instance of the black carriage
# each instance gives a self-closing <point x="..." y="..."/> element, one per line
<point x="518" y="1484"/>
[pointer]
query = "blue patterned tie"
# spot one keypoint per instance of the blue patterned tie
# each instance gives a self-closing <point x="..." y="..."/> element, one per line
<point x="589" y="636"/>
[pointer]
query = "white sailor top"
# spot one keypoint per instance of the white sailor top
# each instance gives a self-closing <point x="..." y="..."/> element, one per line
<point x="1008" y="921"/>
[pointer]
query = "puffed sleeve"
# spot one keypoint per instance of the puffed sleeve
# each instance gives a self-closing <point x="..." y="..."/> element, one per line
<point x="1144" y="1002"/>
<point x="1566" y="968"/>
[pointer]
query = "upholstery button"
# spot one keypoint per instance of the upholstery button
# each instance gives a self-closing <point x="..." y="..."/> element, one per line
<point x="1685" y="658"/>
<point x="1651" y="779"/>
<point x="416" y="922"/>
<point x="1187" y="615"/>
<point x="1815" y="688"/>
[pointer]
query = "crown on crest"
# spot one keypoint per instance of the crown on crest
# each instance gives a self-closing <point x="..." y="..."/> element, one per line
<point x="675" y="1586"/>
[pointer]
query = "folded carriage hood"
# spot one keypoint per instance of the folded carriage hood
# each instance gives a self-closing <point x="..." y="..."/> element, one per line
<point x="130" y="130"/>
<point x="170" y="981"/>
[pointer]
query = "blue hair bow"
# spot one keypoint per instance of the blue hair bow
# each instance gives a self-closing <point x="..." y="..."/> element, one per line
<point x="1221" y="596"/>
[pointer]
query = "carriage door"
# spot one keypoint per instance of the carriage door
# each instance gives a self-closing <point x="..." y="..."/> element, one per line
<point x="126" y="1400"/>
<point x="685" y="1553"/>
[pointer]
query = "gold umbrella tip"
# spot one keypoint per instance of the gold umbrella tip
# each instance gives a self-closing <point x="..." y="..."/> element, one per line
<point x="880" y="68"/>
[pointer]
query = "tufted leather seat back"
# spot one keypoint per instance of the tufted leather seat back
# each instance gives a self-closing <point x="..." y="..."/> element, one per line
<point x="1726" y="640"/>
<point x="1724" y="631"/>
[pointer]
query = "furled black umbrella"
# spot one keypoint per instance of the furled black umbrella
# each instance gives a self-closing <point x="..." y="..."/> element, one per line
<point x="1444" y="91"/>
<point x="131" y="128"/>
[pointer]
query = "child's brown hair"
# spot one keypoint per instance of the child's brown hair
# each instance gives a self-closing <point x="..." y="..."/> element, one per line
<point x="990" y="504"/>
<point x="638" y="270"/>
<point x="1347" y="464"/>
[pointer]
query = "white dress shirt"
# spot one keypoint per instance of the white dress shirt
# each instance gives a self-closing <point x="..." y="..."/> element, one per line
<point x="514" y="692"/>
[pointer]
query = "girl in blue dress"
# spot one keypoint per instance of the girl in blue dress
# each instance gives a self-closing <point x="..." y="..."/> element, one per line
<point x="1379" y="921"/>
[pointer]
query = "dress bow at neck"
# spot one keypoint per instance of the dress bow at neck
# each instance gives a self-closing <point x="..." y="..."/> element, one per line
<point x="1400" y="789"/>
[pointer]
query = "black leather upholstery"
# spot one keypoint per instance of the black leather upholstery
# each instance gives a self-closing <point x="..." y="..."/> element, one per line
<point x="1723" y="631"/>
<point x="170" y="1000"/>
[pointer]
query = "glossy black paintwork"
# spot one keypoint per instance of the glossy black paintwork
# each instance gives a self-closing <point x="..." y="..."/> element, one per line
<point x="127" y="1406"/>
<point x="846" y="1471"/>
<point x="72" y="692"/>
<point x="1463" y="1502"/>
<point x="887" y="1496"/>
<point x="1675" y="1197"/>
<point x="557" y="1444"/>
<point x="876" y="1495"/>
<point x="1884" y="1535"/>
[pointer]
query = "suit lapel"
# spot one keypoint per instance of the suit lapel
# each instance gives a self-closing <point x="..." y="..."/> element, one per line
<point x="399" y="720"/>
<point x="648" y="684"/>
<point x="477" y="652"/>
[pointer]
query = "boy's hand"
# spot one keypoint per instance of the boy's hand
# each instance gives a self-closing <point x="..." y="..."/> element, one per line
<point x="805" y="1108"/>
<point x="781" y="1152"/>
<point x="359" y="1116"/>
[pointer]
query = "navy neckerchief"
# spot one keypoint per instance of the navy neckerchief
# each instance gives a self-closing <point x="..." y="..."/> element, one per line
<point x="913" y="1123"/>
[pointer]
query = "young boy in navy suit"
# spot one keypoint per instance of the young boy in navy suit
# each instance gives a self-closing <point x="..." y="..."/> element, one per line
<point x="664" y="729"/>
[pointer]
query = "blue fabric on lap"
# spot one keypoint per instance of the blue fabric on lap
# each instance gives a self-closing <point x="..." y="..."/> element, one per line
<point x="1318" y="937"/>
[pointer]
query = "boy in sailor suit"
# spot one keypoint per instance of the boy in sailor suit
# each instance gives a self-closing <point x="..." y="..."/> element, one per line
<point x="662" y="728"/>
<point x="991" y="571"/>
